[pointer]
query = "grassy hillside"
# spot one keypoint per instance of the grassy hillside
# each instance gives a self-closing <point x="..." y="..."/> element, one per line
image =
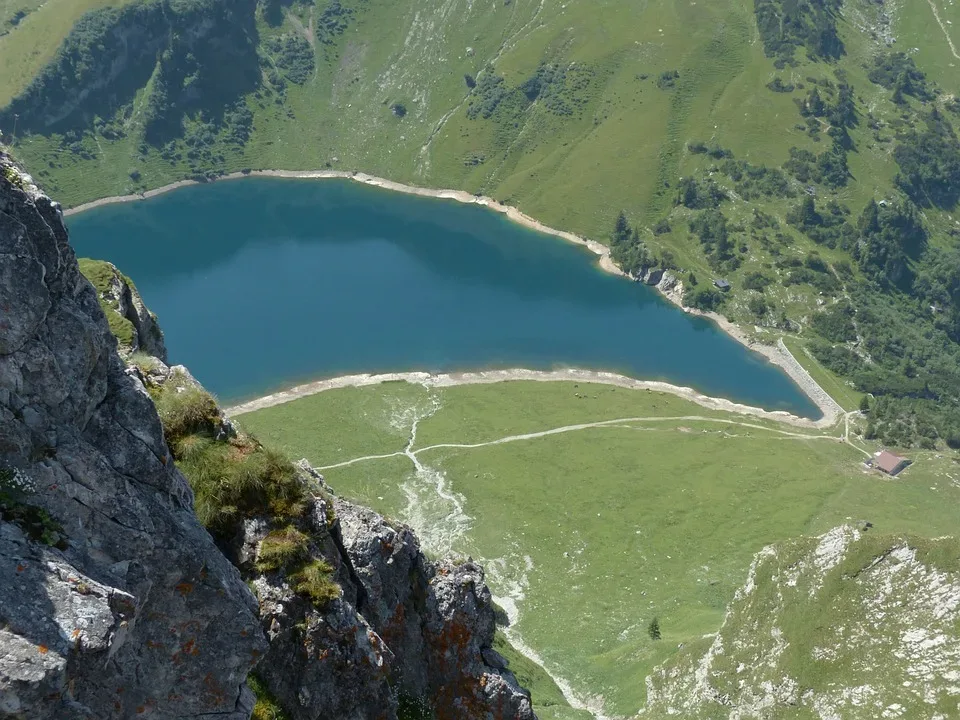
<point x="850" y="624"/>
<point x="741" y="139"/>
<point x="656" y="511"/>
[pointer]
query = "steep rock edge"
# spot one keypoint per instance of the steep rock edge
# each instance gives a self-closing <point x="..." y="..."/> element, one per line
<point x="845" y="625"/>
<point x="123" y="605"/>
<point x="386" y="625"/>
<point x="131" y="322"/>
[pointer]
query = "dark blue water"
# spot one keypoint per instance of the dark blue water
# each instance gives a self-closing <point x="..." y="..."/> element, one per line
<point x="261" y="283"/>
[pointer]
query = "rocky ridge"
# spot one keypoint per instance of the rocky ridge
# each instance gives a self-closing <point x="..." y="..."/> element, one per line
<point x="130" y="320"/>
<point x="114" y="600"/>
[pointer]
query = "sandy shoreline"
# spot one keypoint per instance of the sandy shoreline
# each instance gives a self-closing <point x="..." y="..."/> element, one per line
<point x="459" y="195"/>
<point x="487" y="377"/>
<point x="779" y="354"/>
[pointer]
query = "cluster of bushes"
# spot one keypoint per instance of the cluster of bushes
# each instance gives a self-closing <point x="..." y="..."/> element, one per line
<point x="699" y="194"/>
<point x="703" y="298"/>
<point x="914" y="362"/>
<point x="899" y="73"/>
<point x="713" y="231"/>
<point x="333" y="22"/>
<point x="698" y="147"/>
<point x="562" y="91"/>
<point x="827" y="168"/>
<point x="829" y="228"/>
<point x="667" y="80"/>
<point x="753" y="182"/>
<point x="293" y="56"/>
<point x="812" y="271"/>
<point x="779" y="86"/>
<point x="890" y="234"/>
<point x="627" y="249"/>
<point x="489" y="93"/>
<point x="836" y="324"/>
<point x="786" y="25"/>
<point x="837" y="109"/>
<point x="929" y="162"/>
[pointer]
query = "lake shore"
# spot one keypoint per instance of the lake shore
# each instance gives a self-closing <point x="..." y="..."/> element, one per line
<point x="487" y="377"/>
<point x="777" y="354"/>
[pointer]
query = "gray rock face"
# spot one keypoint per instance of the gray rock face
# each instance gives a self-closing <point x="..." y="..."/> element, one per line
<point x="437" y="619"/>
<point x="138" y="614"/>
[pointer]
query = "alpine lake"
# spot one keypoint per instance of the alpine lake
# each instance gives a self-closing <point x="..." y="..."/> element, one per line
<point x="263" y="283"/>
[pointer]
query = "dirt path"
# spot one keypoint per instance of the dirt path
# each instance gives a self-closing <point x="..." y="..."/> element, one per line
<point x="936" y="15"/>
<point x="615" y="423"/>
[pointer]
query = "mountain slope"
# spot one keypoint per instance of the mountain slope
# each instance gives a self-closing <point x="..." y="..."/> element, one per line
<point x="849" y="625"/>
<point x="791" y="149"/>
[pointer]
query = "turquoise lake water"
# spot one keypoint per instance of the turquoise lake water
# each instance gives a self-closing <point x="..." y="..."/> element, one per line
<point x="262" y="283"/>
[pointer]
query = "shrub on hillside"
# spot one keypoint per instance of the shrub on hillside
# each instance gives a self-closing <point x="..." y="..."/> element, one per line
<point x="703" y="298"/>
<point x="186" y="411"/>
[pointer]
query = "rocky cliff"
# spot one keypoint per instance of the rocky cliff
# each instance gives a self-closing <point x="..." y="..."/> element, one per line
<point x="360" y="623"/>
<point x="115" y="601"/>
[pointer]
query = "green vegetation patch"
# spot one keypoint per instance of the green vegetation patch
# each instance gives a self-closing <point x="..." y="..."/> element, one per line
<point x="315" y="581"/>
<point x="267" y="706"/>
<point x="103" y="276"/>
<point x="811" y="24"/>
<point x="282" y="548"/>
<point x="233" y="476"/>
<point x="655" y="514"/>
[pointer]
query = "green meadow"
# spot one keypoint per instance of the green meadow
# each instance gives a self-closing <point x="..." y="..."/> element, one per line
<point x="591" y="532"/>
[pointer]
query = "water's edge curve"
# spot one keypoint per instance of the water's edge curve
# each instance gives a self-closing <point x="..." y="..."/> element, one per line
<point x="779" y="355"/>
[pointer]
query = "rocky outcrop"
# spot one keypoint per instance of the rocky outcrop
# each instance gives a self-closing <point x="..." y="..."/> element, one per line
<point x="437" y="619"/>
<point x="115" y="602"/>
<point x="403" y="627"/>
<point x="123" y="306"/>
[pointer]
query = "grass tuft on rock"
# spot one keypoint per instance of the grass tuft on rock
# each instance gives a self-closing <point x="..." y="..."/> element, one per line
<point x="232" y="476"/>
<point x="267" y="707"/>
<point x="315" y="581"/>
<point x="35" y="522"/>
<point x="101" y="275"/>
<point x="281" y="549"/>
<point x="186" y="411"/>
